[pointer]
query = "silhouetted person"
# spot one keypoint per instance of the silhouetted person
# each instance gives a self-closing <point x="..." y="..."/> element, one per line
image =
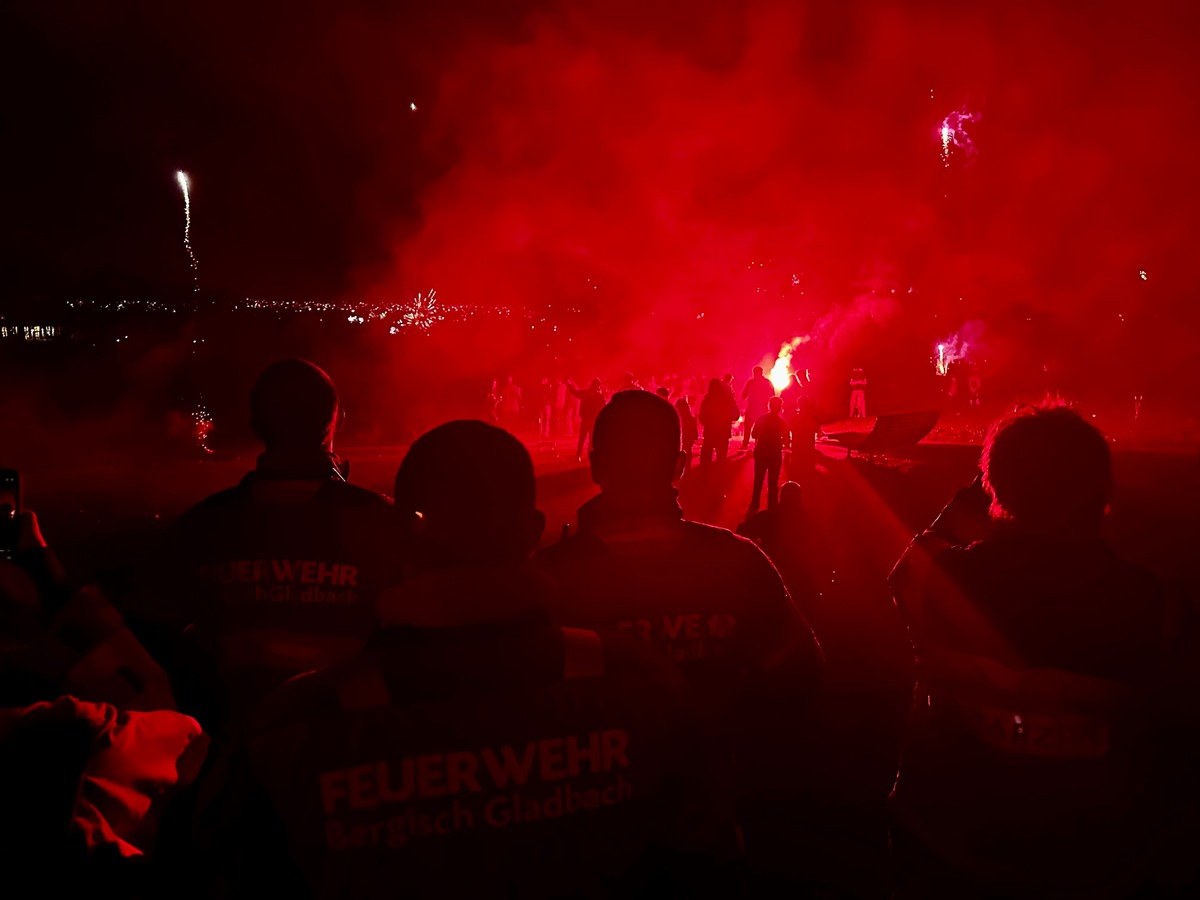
<point x="591" y="401"/>
<point x="279" y="574"/>
<point x="688" y="430"/>
<point x="756" y="393"/>
<point x="709" y="600"/>
<point x="771" y="435"/>
<point x="858" y="394"/>
<point x="561" y="423"/>
<point x="545" y="409"/>
<point x="803" y="424"/>
<point x="664" y="392"/>
<point x="510" y="404"/>
<point x="1026" y="760"/>
<point x="781" y="531"/>
<point x="475" y="749"/>
<point x="718" y="412"/>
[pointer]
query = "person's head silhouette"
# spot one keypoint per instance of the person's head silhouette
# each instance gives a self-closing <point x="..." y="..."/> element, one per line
<point x="636" y="444"/>
<point x="294" y="406"/>
<point x="1048" y="470"/>
<point x="466" y="492"/>
<point x="791" y="498"/>
<point x="775" y="405"/>
<point x="758" y="370"/>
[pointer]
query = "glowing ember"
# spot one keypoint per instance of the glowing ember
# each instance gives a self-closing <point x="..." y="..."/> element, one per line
<point x="202" y="426"/>
<point x="954" y="134"/>
<point x="781" y="372"/>
<point x="182" y="178"/>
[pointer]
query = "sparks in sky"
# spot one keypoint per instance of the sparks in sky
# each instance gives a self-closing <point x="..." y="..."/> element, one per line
<point x="182" y="178"/>
<point x="422" y="312"/>
<point x="954" y="134"/>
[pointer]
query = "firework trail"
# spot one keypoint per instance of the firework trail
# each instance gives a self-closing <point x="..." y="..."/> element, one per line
<point x="182" y="178"/>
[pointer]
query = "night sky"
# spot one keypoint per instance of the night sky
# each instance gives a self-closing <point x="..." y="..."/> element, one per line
<point x="686" y="159"/>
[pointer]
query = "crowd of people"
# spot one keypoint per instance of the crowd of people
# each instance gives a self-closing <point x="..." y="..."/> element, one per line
<point x="557" y="408"/>
<point x="316" y="690"/>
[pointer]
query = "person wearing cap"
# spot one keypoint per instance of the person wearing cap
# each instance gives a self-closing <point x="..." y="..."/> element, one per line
<point x="474" y="748"/>
<point x="277" y="575"/>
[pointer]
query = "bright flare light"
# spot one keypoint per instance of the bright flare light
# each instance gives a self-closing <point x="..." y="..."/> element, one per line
<point x="949" y="351"/>
<point x="954" y="134"/>
<point x="781" y="372"/>
<point x="182" y="178"/>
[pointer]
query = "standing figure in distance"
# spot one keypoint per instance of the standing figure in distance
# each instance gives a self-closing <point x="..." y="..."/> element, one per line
<point x="974" y="383"/>
<point x="718" y="412"/>
<point x="559" y="418"/>
<point x="858" y="394"/>
<point x="591" y="401"/>
<point x="510" y="404"/>
<point x="756" y="393"/>
<point x="688" y="429"/>
<point x="771" y="435"/>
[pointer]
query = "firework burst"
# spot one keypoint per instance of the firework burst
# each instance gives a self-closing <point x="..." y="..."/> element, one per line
<point x="422" y="312"/>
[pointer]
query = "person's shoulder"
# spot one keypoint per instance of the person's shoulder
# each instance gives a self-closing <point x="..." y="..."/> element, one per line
<point x="304" y="697"/>
<point x="719" y="538"/>
<point x="214" y="505"/>
<point x="353" y="495"/>
<point x="564" y="552"/>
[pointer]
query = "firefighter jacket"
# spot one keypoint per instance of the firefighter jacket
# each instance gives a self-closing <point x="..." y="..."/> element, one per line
<point x="276" y="576"/>
<point x="495" y="755"/>
<point x="713" y="604"/>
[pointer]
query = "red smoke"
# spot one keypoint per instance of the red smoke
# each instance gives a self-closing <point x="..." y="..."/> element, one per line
<point x="777" y="171"/>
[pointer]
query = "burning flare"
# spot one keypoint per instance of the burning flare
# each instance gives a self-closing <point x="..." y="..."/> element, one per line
<point x="781" y="372"/>
<point x="954" y="134"/>
<point x="949" y="351"/>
